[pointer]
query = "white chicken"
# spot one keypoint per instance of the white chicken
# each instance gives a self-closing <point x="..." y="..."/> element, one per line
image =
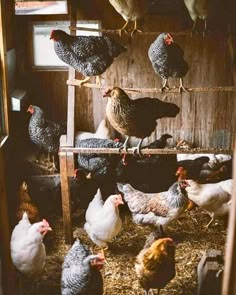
<point x="198" y="9"/>
<point x="215" y="198"/>
<point x="130" y="10"/>
<point x="101" y="132"/>
<point x="27" y="249"/>
<point x="103" y="221"/>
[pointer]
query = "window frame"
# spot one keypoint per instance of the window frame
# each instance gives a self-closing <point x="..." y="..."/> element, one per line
<point x="66" y="23"/>
<point x="4" y="82"/>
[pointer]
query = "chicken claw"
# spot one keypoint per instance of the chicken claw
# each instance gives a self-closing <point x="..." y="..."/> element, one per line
<point x="165" y="85"/>
<point x="123" y="29"/>
<point x="181" y="86"/>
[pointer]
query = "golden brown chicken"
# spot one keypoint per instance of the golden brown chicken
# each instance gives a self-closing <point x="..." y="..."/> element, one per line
<point x="136" y="117"/>
<point x="155" y="265"/>
<point x="130" y="10"/>
<point x="26" y="205"/>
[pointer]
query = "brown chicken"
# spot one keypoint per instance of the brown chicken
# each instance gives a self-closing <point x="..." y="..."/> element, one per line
<point x="155" y="265"/>
<point x="136" y="117"/>
<point x="26" y="205"/>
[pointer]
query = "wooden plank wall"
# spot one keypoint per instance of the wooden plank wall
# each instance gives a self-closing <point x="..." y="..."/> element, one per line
<point x="207" y="119"/>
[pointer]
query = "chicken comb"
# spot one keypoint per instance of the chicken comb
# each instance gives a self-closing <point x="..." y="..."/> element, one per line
<point x="45" y="223"/>
<point x="179" y="170"/>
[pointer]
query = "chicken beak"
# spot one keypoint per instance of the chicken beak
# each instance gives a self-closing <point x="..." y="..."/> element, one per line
<point x="49" y="228"/>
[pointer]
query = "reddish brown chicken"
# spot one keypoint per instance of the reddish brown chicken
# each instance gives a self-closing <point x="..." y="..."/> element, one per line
<point x="26" y="205"/>
<point x="155" y="265"/>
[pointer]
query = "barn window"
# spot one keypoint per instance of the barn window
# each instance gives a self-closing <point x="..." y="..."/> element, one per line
<point x="28" y="7"/>
<point x="43" y="54"/>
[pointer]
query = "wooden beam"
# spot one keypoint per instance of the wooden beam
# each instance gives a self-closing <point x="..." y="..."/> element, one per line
<point x="71" y="88"/>
<point x="65" y="194"/>
<point x="77" y="150"/>
<point x="76" y="82"/>
<point x="229" y="280"/>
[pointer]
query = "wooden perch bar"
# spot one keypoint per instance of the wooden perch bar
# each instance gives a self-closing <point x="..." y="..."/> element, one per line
<point x="75" y="82"/>
<point x="76" y="150"/>
<point x="75" y="28"/>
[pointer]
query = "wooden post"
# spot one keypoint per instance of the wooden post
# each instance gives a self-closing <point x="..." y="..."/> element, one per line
<point x="229" y="280"/>
<point x="65" y="194"/>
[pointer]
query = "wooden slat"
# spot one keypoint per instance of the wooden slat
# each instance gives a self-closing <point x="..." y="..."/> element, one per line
<point x="75" y="82"/>
<point x="65" y="193"/>
<point x="229" y="280"/>
<point x="143" y="151"/>
<point x="71" y="88"/>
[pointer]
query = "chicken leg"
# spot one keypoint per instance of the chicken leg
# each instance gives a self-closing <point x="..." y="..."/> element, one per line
<point x="123" y="28"/>
<point x="165" y="85"/>
<point x="83" y="81"/>
<point x="135" y="29"/>
<point x="210" y="222"/>
<point x="181" y="86"/>
<point x="103" y="253"/>
<point x="136" y="150"/>
<point x="125" y="144"/>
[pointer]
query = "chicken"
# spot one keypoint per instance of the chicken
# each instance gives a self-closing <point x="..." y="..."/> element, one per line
<point x="27" y="249"/>
<point x="167" y="60"/>
<point x="156" y="208"/>
<point x="214" y="159"/>
<point x="99" y="166"/>
<point x="215" y="198"/>
<point x="103" y="222"/>
<point x="155" y="265"/>
<point x="130" y="10"/>
<point x="198" y="9"/>
<point x="159" y="143"/>
<point x="89" y="55"/>
<point x="154" y="173"/>
<point x="44" y="133"/>
<point x="26" y="205"/>
<point x="223" y="171"/>
<point x="136" y="117"/>
<point x="101" y="132"/>
<point x="81" y="272"/>
<point x="191" y="169"/>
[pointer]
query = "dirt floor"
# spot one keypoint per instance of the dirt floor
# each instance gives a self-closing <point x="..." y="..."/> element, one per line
<point x="189" y="234"/>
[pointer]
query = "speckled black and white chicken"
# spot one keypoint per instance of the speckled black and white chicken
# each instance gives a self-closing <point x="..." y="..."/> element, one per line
<point x="167" y="60"/>
<point x="98" y="166"/>
<point x="198" y="9"/>
<point x="156" y="208"/>
<point x="80" y="272"/>
<point x="44" y="133"/>
<point x="89" y="55"/>
<point x="130" y="10"/>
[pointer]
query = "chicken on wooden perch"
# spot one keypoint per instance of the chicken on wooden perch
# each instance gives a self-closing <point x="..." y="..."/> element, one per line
<point x="81" y="271"/>
<point x="89" y="55"/>
<point x="27" y="249"/>
<point x="167" y="59"/>
<point x="44" y="133"/>
<point x="130" y="10"/>
<point x="198" y="9"/>
<point x="103" y="221"/>
<point x="136" y="117"/>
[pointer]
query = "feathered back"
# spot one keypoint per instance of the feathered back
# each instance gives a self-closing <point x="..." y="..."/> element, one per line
<point x="167" y="60"/>
<point x="90" y="55"/>
<point x="78" y="277"/>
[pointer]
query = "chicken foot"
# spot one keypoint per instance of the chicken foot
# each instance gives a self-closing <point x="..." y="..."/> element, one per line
<point x="136" y="150"/>
<point x="125" y="144"/>
<point x="195" y="25"/>
<point x="210" y="222"/>
<point x="123" y="28"/>
<point x="165" y="85"/>
<point x="181" y="86"/>
<point x="103" y="253"/>
<point x="135" y="29"/>
<point x="86" y="79"/>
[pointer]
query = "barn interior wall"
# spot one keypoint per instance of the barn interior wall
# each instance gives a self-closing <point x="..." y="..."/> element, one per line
<point x="210" y="62"/>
